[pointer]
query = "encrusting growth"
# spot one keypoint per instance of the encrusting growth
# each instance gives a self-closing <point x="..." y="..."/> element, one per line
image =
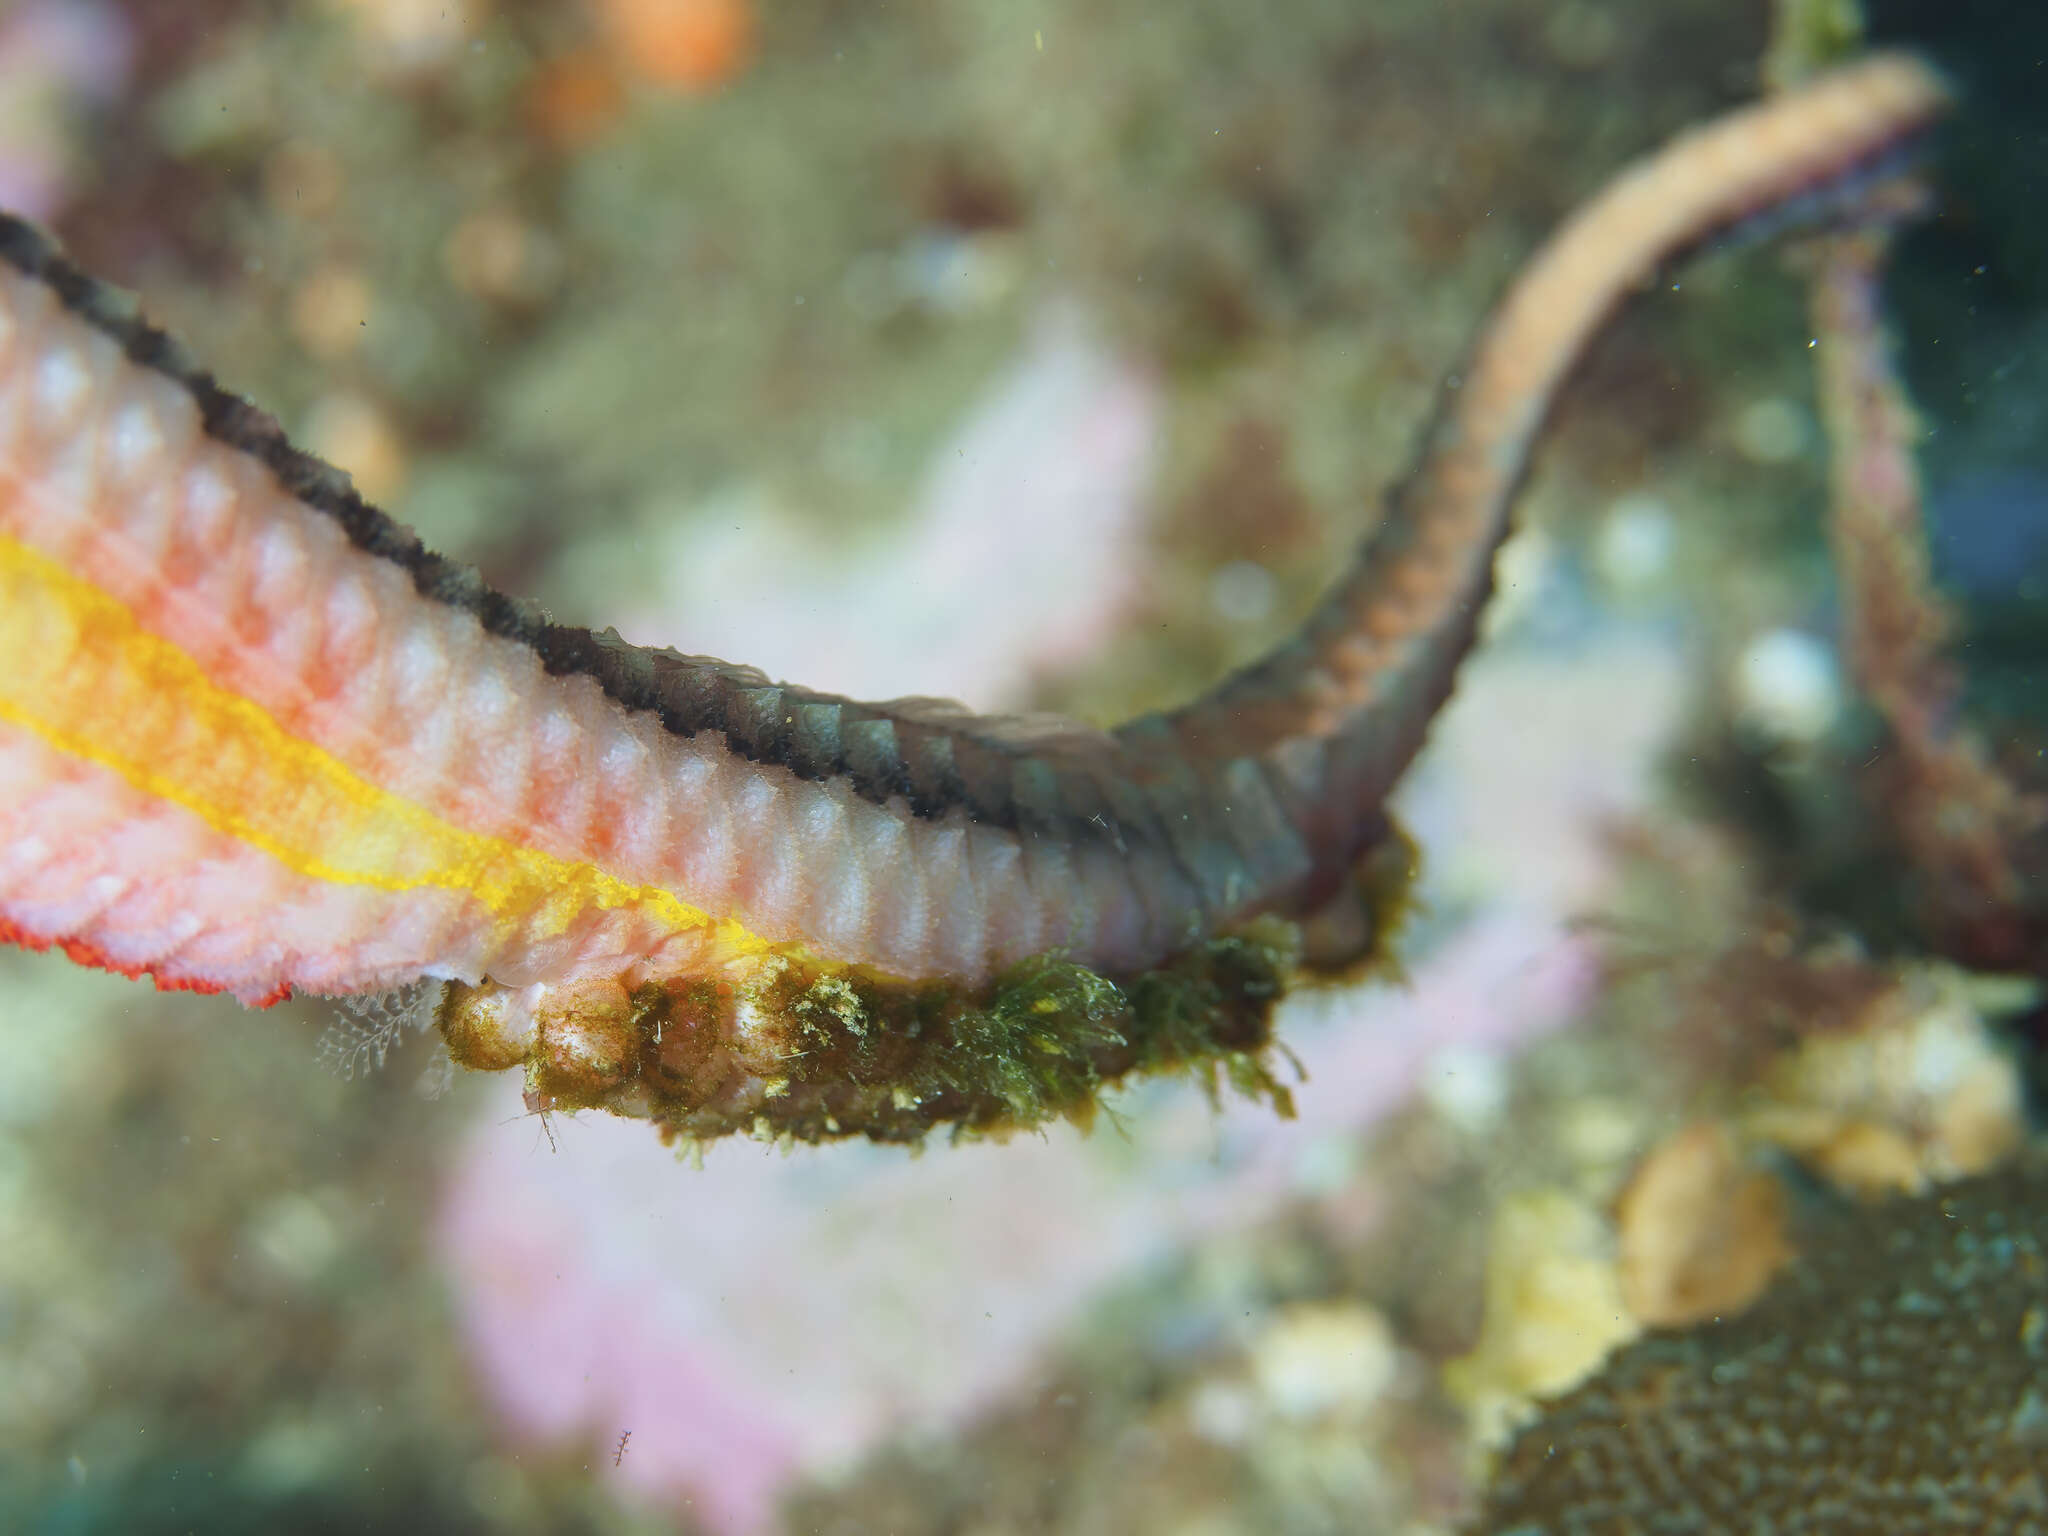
<point x="255" y="738"/>
<point x="1893" y="1379"/>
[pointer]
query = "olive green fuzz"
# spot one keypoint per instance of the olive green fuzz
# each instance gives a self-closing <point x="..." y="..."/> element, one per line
<point x="851" y="1054"/>
<point x="798" y="1049"/>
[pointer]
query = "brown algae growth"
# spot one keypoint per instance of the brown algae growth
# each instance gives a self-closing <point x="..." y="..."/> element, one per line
<point x="808" y="1052"/>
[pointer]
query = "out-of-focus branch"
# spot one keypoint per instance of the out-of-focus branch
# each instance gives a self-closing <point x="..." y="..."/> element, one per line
<point x="1960" y="819"/>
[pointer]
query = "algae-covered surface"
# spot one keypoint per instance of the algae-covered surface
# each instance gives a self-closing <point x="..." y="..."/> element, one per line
<point x="1049" y="357"/>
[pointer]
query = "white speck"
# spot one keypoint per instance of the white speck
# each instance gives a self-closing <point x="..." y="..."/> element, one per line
<point x="1467" y="1086"/>
<point x="1326" y="1164"/>
<point x="1634" y="547"/>
<point x="352" y="615"/>
<point x="1221" y="1414"/>
<point x="1773" y="430"/>
<point x="420" y="665"/>
<point x="1324" y="1358"/>
<point x="951" y="272"/>
<point x="490" y="699"/>
<point x="295" y="1237"/>
<point x="1242" y="592"/>
<point x="135" y="439"/>
<point x="1787" y="685"/>
<point x="1944" y="1046"/>
<point x="209" y="506"/>
<point x="61" y="381"/>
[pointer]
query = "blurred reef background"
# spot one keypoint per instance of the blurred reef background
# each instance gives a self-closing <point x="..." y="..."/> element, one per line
<point x="1052" y="355"/>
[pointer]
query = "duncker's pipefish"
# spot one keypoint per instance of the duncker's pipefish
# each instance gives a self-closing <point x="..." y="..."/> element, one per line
<point x="256" y="739"/>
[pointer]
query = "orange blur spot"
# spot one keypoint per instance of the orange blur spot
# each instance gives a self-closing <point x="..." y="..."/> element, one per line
<point x="573" y="99"/>
<point x="683" y="44"/>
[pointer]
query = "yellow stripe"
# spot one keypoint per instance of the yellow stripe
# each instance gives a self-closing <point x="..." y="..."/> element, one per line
<point x="82" y="672"/>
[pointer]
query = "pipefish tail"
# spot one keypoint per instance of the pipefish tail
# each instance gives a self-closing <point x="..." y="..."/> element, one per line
<point x="255" y="738"/>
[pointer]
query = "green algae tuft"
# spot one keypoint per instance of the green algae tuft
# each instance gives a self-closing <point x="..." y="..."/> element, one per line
<point x="800" y="1050"/>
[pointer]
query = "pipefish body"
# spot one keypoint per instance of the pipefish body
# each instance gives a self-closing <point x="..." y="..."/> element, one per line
<point x="255" y="738"/>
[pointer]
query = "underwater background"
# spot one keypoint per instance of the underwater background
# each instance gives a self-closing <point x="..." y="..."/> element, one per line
<point x="1052" y="356"/>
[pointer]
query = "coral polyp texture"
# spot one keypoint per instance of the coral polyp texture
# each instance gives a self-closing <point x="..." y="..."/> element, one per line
<point x="1893" y="1380"/>
<point x="256" y="738"/>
